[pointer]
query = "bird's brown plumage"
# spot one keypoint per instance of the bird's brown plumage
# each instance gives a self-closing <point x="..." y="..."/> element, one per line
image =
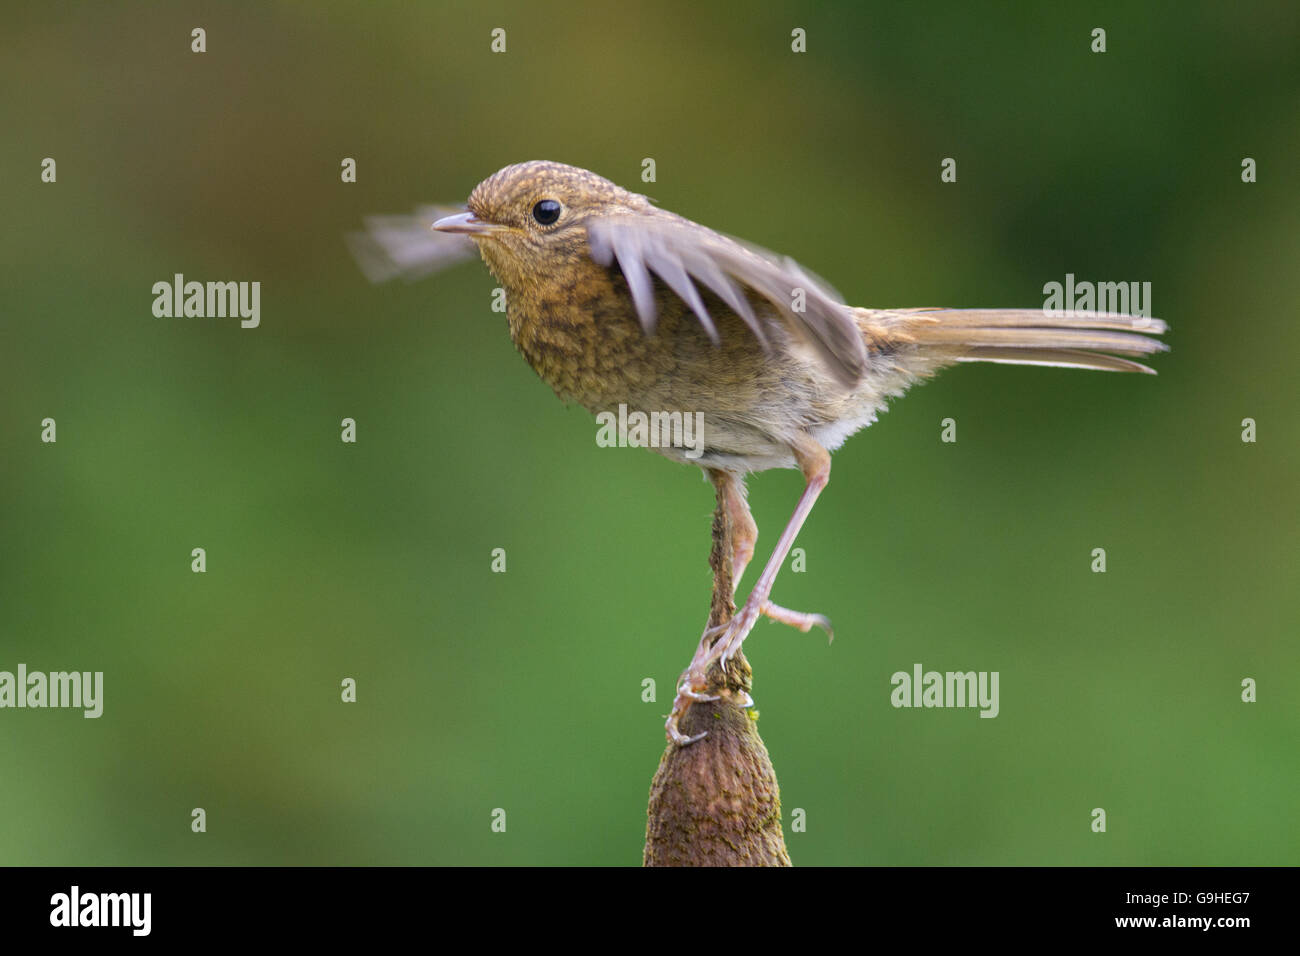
<point x="617" y="304"/>
<point x="620" y="302"/>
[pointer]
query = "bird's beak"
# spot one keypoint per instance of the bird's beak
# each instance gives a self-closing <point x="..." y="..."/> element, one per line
<point x="468" y="224"/>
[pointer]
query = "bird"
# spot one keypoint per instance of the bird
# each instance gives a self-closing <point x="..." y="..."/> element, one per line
<point x="618" y="304"/>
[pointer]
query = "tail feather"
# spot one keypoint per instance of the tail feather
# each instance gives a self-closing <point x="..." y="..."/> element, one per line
<point x="1057" y="358"/>
<point x="1023" y="336"/>
<point x="1035" y="318"/>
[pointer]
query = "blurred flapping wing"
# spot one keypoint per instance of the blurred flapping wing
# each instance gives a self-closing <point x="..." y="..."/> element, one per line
<point x="406" y="246"/>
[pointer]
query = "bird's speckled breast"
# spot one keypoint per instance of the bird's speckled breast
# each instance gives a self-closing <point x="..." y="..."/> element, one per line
<point x="587" y="344"/>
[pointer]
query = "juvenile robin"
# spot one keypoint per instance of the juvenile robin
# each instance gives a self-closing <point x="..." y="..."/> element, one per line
<point x="614" y="301"/>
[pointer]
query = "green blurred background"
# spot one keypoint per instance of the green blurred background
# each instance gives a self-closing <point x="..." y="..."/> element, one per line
<point x="523" y="690"/>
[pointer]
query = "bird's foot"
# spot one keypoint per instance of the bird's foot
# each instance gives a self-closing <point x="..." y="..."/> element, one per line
<point x="799" y="619"/>
<point x="731" y="635"/>
<point x="724" y="640"/>
<point x="719" y="645"/>
<point x="692" y="688"/>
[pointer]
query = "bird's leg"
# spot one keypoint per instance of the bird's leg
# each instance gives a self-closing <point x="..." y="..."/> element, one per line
<point x="815" y="463"/>
<point x="722" y="642"/>
<point x="740" y="533"/>
<point x="729" y="540"/>
<point x="744" y="535"/>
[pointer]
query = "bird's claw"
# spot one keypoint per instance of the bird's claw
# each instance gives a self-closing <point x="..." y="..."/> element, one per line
<point x="687" y="696"/>
<point x="692" y="688"/>
<point x="799" y="620"/>
<point x="718" y="645"/>
<point x="685" y="690"/>
<point x="734" y="633"/>
<point x="679" y="738"/>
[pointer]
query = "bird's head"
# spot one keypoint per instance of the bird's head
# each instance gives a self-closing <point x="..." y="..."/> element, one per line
<point x="529" y="220"/>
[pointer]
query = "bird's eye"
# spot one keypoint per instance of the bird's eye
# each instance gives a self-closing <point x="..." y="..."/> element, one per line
<point x="546" y="212"/>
